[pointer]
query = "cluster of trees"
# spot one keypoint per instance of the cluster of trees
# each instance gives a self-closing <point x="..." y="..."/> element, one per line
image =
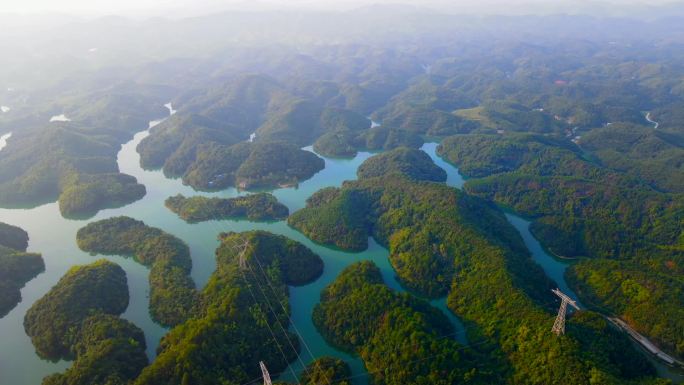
<point x="272" y="164"/>
<point x="646" y="293"/>
<point x="412" y="163"/>
<point x="248" y="165"/>
<point x="17" y="267"/>
<point x="394" y="332"/>
<point x="243" y="316"/>
<point x="608" y="211"/>
<point x="78" y="319"/>
<point x="348" y="143"/>
<point x="653" y="156"/>
<point x="172" y="291"/>
<point x="255" y="207"/>
<point x="408" y="217"/>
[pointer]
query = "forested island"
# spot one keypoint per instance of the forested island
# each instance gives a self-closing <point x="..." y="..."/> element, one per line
<point x="90" y="194"/>
<point x="78" y="319"/>
<point x="255" y="207"/>
<point x="412" y="163"/>
<point x="172" y="291"/>
<point x="250" y="166"/>
<point x="17" y="267"/>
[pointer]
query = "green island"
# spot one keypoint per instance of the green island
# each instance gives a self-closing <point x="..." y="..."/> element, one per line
<point x="255" y="207"/>
<point x="172" y="291"/>
<point x="243" y="317"/>
<point x="83" y="291"/>
<point x="412" y="163"/>
<point x="78" y="319"/>
<point x="17" y="267"/>
<point x="91" y="193"/>
<point x="249" y="166"/>
<point x="13" y="237"/>
<point x="629" y="230"/>
<point x="276" y="164"/>
<point x="337" y="144"/>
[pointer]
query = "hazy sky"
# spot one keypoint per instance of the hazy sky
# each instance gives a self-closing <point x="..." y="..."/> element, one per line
<point x="150" y="7"/>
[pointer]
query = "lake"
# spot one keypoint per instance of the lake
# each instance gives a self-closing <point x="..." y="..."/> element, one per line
<point x="55" y="238"/>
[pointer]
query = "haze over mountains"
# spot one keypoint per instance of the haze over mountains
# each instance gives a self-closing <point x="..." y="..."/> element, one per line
<point x="406" y="184"/>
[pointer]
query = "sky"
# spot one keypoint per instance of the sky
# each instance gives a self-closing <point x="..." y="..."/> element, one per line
<point x="168" y="7"/>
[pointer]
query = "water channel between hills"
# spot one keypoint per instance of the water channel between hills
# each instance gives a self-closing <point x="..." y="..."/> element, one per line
<point x="55" y="237"/>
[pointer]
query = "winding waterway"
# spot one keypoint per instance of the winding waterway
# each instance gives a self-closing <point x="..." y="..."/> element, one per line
<point x="653" y="122"/>
<point x="54" y="237"/>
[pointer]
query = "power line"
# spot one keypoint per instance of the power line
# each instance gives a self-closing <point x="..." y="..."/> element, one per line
<point x="242" y="264"/>
<point x="275" y="340"/>
<point x="284" y="310"/>
<point x="275" y="315"/>
<point x="559" y="323"/>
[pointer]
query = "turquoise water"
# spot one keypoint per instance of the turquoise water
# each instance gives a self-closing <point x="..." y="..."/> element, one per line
<point x="55" y="237"/>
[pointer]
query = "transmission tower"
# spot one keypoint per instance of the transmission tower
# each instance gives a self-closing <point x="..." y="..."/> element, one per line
<point x="264" y="372"/>
<point x="559" y="324"/>
<point x="241" y="250"/>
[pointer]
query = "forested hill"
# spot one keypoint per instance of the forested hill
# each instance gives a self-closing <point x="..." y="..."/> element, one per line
<point x="616" y="211"/>
<point x="442" y="241"/>
<point x="17" y="266"/>
<point x="238" y="325"/>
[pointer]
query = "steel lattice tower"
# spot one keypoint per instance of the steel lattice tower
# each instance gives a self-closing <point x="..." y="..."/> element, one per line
<point x="264" y="372"/>
<point x="559" y="324"/>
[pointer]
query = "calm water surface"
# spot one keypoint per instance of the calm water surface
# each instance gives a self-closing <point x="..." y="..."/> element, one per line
<point x="55" y="237"/>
